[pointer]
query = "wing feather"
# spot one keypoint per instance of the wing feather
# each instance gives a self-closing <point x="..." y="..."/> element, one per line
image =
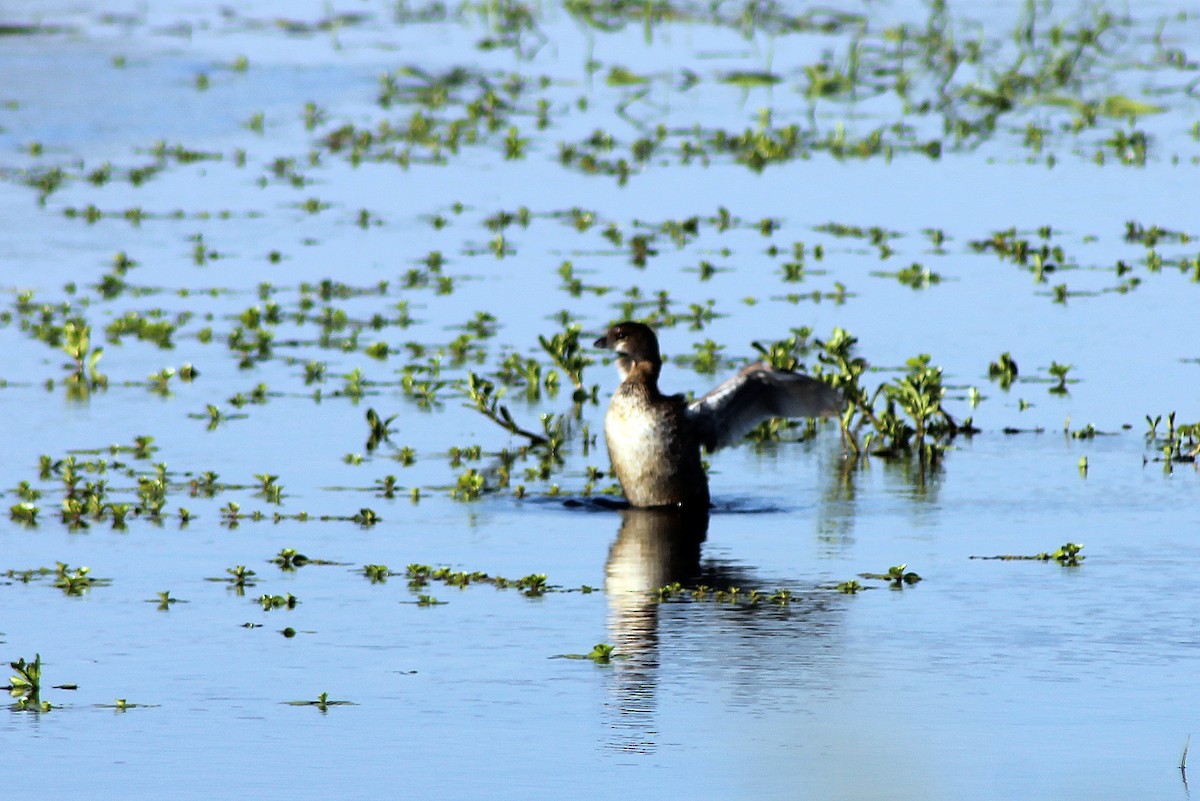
<point x="757" y="393"/>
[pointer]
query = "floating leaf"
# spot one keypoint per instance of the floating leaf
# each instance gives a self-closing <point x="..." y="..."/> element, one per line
<point x="1121" y="106"/>
<point x="750" y="79"/>
<point x="620" y="76"/>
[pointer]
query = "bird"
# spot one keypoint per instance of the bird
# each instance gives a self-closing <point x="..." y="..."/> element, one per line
<point x="654" y="440"/>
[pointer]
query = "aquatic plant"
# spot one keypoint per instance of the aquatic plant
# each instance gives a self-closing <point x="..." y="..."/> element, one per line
<point x="25" y="686"/>
<point x="239" y="577"/>
<point x="485" y="399"/>
<point x="77" y="581"/>
<point x="377" y="574"/>
<point x="322" y="702"/>
<point x="1066" y="555"/>
<point x="1003" y="370"/>
<point x="77" y="345"/>
<point x="897" y="576"/>
<point x="601" y="654"/>
<point x="270" y="602"/>
<point x="28" y="677"/>
<point x="289" y="559"/>
<point x="911" y="421"/>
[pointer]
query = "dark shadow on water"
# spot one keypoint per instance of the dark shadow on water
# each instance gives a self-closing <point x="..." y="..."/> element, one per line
<point x="728" y="506"/>
<point x="587" y="504"/>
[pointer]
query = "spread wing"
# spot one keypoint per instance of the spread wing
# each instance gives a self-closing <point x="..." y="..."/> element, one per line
<point x="757" y="393"/>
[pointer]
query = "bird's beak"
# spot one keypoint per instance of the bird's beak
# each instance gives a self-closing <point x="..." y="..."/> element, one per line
<point x="602" y="342"/>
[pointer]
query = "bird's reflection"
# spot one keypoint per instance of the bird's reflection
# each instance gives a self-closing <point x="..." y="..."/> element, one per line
<point x="654" y="547"/>
<point x="761" y="645"/>
<point x="658" y="547"/>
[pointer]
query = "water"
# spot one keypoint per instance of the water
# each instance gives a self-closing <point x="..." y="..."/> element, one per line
<point x="1007" y="679"/>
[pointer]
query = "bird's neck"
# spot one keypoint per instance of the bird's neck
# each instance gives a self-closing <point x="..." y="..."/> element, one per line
<point x="640" y="372"/>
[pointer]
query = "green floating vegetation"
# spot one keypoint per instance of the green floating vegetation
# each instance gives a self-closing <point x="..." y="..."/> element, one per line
<point x="165" y="600"/>
<point x="121" y="705"/>
<point x="897" y="577"/>
<point x="732" y="595"/>
<point x="1059" y="374"/>
<point x="377" y="574"/>
<point x="915" y="276"/>
<point x="1004" y="370"/>
<point x="381" y="430"/>
<point x="1066" y="555"/>
<point x="270" y="602"/>
<point x="620" y="76"/>
<point x="928" y="84"/>
<point x="601" y="654"/>
<point x="84" y="375"/>
<point x="322" y="702"/>
<point x="77" y="581"/>
<point x="289" y="560"/>
<point x="532" y="586"/>
<point x="24" y="513"/>
<point x="87" y="501"/>
<point x="238" y="577"/>
<point x="750" y="79"/>
<point x="1178" y="444"/>
<point x="905" y="415"/>
<point x="25" y="686"/>
<point x="28" y="678"/>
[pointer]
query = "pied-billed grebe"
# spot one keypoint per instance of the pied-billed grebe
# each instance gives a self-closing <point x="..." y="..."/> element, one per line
<point x="654" y="439"/>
